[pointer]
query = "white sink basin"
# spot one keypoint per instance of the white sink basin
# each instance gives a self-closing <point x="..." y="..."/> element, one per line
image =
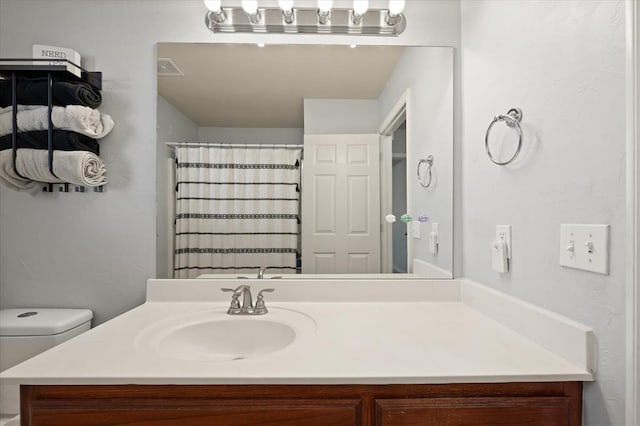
<point x="213" y="335"/>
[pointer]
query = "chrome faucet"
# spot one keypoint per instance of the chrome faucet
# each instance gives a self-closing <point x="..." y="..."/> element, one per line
<point x="247" y="307"/>
<point x="261" y="272"/>
<point x="247" y="304"/>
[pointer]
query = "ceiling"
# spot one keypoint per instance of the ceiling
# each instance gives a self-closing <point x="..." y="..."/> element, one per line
<point x="244" y="85"/>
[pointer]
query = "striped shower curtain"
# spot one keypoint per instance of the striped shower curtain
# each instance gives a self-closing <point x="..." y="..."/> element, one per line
<point x="237" y="209"/>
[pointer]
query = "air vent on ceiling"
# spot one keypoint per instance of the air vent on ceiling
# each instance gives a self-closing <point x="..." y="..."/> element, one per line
<point x="166" y="67"/>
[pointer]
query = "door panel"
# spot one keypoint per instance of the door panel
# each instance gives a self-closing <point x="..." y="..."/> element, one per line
<point x="358" y="201"/>
<point x="341" y="204"/>
<point x="325" y="262"/>
<point x="358" y="263"/>
<point x="324" y="204"/>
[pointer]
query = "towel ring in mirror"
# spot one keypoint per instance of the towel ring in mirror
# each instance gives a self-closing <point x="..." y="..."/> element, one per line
<point x="512" y="119"/>
<point x="429" y="162"/>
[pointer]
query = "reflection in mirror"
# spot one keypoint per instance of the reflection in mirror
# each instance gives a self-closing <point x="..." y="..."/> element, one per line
<point x="299" y="158"/>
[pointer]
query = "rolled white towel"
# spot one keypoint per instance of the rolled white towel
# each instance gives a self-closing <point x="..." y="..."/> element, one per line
<point x="9" y="177"/>
<point x="77" y="118"/>
<point x="77" y="167"/>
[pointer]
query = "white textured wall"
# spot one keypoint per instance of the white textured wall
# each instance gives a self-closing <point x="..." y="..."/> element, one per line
<point x="563" y="63"/>
<point x="340" y="116"/>
<point x="173" y="126"/>
<point x="289" y="136"/>
<point x="428" y="74"/>
<point x="97" y="250"/>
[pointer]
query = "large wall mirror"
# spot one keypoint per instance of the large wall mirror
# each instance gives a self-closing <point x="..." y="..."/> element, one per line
<point x="305" y="159"/>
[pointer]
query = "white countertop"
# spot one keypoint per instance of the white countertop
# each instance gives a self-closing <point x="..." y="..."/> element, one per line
<point x="425" y="341"/>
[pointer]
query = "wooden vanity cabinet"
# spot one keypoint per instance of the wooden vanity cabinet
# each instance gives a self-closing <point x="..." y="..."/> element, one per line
<point x="530" y="411"/>
<point x="531" y="404"/>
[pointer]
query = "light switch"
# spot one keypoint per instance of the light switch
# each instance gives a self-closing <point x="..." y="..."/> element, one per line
<point x="585" y="247"/>
<point x="415" y="229"/>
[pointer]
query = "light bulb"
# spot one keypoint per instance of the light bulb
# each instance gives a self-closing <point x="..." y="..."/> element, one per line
<point x="213" y="5"/>
<point x="285" y="5"/>
<point x="360" y="7"/>
<point x="250" y="6"/>
<point x="325" y="5"/>
<point x="396" y="6"/>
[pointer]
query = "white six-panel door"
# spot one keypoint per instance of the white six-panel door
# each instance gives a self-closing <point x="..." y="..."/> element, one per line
<point x="341" y="204"/>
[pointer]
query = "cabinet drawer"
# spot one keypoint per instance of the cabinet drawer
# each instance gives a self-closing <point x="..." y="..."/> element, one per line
<point x="198" y="413"/>
<point x="529" y="411"/>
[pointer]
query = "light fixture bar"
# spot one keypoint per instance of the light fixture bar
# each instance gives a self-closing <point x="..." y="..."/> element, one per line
<point x="373" y="22"/>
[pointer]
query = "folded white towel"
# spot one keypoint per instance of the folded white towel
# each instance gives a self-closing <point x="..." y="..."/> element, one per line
<point x="76" y="167"/>
<point x="77" y="118"/>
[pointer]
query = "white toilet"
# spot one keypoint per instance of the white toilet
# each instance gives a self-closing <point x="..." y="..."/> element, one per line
<point x="25" y="333"/>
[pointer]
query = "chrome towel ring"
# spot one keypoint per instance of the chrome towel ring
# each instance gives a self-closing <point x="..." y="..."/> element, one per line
<point x="429" y="162"/>
<point x="512" y="119"/>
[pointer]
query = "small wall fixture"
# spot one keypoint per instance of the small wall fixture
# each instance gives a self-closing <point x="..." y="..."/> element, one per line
<point x="250" y="18"/>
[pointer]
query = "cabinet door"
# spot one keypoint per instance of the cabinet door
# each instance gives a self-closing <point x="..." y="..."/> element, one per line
<point x="198" y="413"/>
<point x="529" y="411"/>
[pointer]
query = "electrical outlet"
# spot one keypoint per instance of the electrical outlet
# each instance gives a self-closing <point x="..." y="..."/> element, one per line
<point x="503" y="232"/>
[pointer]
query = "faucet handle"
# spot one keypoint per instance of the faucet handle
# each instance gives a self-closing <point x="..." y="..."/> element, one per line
<point x="238" y="291"/>
<point x="266" y="290"/>
<point x="261" y="308"/>
<point x="234" y="308"/>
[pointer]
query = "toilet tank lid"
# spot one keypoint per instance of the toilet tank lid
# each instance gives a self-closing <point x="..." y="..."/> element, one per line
<point x="41" y="321"/>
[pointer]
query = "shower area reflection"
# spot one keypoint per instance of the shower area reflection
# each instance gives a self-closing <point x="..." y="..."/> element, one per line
<point x="237" y="208"/>
<point x="341" y="104"/>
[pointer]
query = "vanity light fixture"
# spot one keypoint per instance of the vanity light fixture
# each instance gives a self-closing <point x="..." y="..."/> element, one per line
<point x="251" y="9"/>
<point x="395" y="9"/>
<point x="358" y="20"/>
<point x="287" y="11"/>
<point x="216" y="12"/>
<point x="360" y="7"/>
<point x="324" y="11"/>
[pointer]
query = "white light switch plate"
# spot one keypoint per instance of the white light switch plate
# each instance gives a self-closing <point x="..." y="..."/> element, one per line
<point x="415" y="229"/>
<point x="585" y="247"/>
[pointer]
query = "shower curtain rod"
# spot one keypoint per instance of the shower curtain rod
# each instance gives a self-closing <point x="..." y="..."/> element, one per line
<point x="233" y="145"/>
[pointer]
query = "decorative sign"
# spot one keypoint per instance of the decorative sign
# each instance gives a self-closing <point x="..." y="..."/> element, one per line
<point x="59" y="56"/>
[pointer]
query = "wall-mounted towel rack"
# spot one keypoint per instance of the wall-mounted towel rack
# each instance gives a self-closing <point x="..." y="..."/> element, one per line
<point x="14" y="68"/>
<point x="512" y="120"/>
<point x="429" y="162"/>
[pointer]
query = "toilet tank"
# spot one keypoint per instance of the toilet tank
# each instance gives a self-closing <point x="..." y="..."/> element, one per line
<point x="25" y="333"/>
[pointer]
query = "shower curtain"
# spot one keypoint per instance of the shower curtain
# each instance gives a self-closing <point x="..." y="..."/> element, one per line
<point x="237" y="209"/>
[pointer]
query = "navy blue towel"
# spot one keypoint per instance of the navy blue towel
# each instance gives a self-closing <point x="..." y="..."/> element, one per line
<point x="63" y="140"/>
<point x="33" y="91"/>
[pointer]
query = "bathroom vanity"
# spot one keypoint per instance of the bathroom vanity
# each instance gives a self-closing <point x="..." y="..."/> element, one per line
<point x="530" y="403"/>
<point x="326" y="353"/>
